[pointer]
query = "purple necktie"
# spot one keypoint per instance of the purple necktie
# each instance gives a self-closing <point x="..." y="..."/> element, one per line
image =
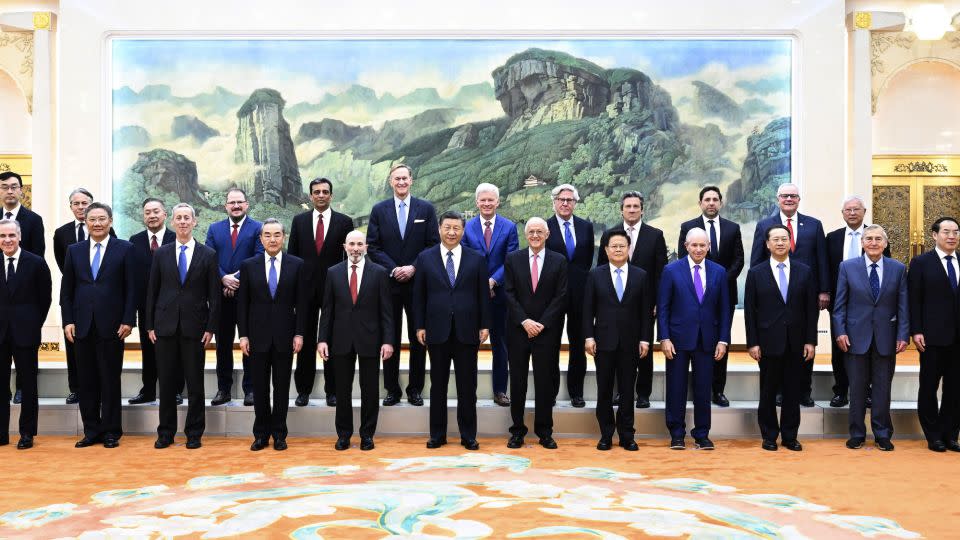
<point x="698" y="283"/>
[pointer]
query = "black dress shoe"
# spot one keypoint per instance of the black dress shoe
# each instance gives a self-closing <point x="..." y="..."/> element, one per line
<point x="677" y="444"/>
<point x="86" y="441"/>
<point x="643" y="403"/>
<point x="179" y="399"/>
<point x="869" y="402"/>
<point x="471" y="444"/>
<point x="162" y="442"/>
<point x="415" y="399"/>
<point x="72" y="398"/>
<point x="704" y="444"/>
<point x="391" y="400"/>
<point x="259" y="444"/>
<point x="779" y="400"/>
<point x="793" y="445"/>
<point x="4" y="440"/>
<point x="629" y="445"/>
<point x="806" y="401"/>
<point x="302" y="400"/>
<point x="366" y="443"/>
<point x="193" y="444"/>
<point x="855" y="443"/>
<point x="436" y="443"/>
<point x="331" y="400"/>
<point x="839" y="400"/>
<point x="111" y="442"/>
<point x="248" y="399"/>
<point x="516" y="441"/>
<point x="18" y="397"/>
<point x="937" y="446"/>
<point x="221" y="398"/>
<point x="952" y="446"/>
<point x="501" y="399"/>
<point x="140" y="399"/>
<point x="578" y="402"/>
<point x="279" y="445"/>
<point x="548" y="443"/>
<point x="342" y="443"/>
<point x="25" y="443"/>
<point x="769" y="445"/>
<point x="604" y="444"/>
<point x="720" y="400"/>
<point x="885" y="445"/>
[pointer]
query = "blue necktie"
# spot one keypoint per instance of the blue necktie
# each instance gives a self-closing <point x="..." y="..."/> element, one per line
<point x="618" y="284"/>
<point x="182" y="264"/>
<point x="783" y="281"/>
<point x="568" y="238"/>
<point x="272" y="280"/>
<point x="450" y="272"/>
<point x="714" y="248"/>
<point x="874" y="282"/>
<point x="95" y="265"/>
<point x="402" y="218"/>
<point x="951" y="273"/>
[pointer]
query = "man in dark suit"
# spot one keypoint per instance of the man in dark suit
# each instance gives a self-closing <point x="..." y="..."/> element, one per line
<point x="451" y="309"/>
<point x="271" y="309"/>
<point x="24" y="302"/>
<point x="145" y="243"/>
<point x="535" y="292"/>
<point x="932" y="287"/>
<point x="693" y="307"/>
<point x="399" y="229"/>
<point x="871" y="322"/>
<point x="317" y="237"/>
<point x="182" y="306"/>
<point x="235" y="239"/>
<point x="616" y="326"/>
<point x="494" y="236"/>
<point x="726" y="249"/>
<point x="843" y="244"/>
<point x="648" y="251"/>
<point x="356" y="321"/>
<point x="808" y="246"/>
<point x="31" y="224"/>
<point x="98" y="301"/>
<point x="780" y="316"/>
<point x="572" y="237"/>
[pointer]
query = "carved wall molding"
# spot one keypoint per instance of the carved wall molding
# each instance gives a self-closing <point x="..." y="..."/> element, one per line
<point x="16" y="58"/>
<point x="892" y="52"/>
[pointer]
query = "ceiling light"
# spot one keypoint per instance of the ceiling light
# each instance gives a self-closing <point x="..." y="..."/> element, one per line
<point x="929" y="22"/>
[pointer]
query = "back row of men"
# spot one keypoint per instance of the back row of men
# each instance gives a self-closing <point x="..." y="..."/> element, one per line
<point x="399" y="231"/>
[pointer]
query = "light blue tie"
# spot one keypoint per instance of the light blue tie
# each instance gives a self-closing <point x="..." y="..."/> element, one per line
<point x="95" y="265"/>
<point x="182" y="264"/>
<point x="853" y="251"/>
<point x="402" y="218"/>
<point x="783" y="282"/>
<point x="272" y="280"/>
<point x="451" y="274"/>
<point x="568" y="238"/>
<point x="618" y="284"/>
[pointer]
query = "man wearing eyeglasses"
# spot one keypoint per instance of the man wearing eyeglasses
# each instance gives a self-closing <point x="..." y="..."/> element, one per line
<point x="808" y="245"/>
<point x="31" y="224"/>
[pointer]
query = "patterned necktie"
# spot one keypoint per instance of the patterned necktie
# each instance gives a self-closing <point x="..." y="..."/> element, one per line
<point x="534" y="273"/>
<point x="353" y="284"/>
<point x="633" y="241"/>
<point x="95" y="265"/>
<point x="233" y="236"/>
<point x="853" y="250"/>
<point x="783" y="281"/>
<point x="80" y="236"/>
<point x="451" y="274"/>
<point x="568" y="238"/>
<point x="793" y="243"/>
<point x="874" y="282"/>
<point x="618" y="284"/>
<point x="318" y="239"/>
<point x="182" y="264"/>
<point x="9" y="215"/>
<point x="11" y="271"/>
<point x="714" y="245"/>
<point x="153" y="243"/>
<point x="698" y="283"/>
<point x="951" y="273"/>
<point x="402" y="218"/>
<point x="488" y="234"/>
<point x="272" y="279"/>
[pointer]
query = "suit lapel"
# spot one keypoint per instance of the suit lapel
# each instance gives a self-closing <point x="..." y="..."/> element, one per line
<point x="498" y="228"/>
<point x="608" y="278"/>
<point x="767" y="274"/>
<point x="411" y="217"/>
<point x="688" y="276"/>
<point x="85" y="258"/>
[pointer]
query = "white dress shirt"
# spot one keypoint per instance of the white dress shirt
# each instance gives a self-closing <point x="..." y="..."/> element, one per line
<point x="158" y="236"/>
<point x="457" y="251"/>
<point x="76" y="229"/>
<point x="793" y="225"/>
<point x="943" y="261"/>
<point x="276" y="264"/>
<point x="16" y="262"/>
<point x="326" y="222"/>
<point x="189" y="253"/>
<point x="716" y="227"/>
<point x="396" y="206"/>
<point x="879" y="267"/>
<point x="563" y="229"/>
<point x="483" y="223"/>
<point x="530" y="255"/>
<point x="13" y="213"/>
<point x="633" y="235"/>
<point x="776" y="271"/>
<point x="847" y="238"/>
<point x="623" y="275"/>
<point x="359" y="272"/>
<point x="103" y="248"/>
<point x="703" y="271"/>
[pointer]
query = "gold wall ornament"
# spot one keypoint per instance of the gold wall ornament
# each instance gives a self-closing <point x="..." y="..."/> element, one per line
<point x="863" y="20"/>
<point x="50" y="346"/>
<point x="4" y="167"/>
<point x="921" y="167"/>
<point x="41" y="20"/>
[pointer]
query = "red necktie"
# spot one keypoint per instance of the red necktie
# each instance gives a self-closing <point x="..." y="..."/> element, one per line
<point x="153" y="243"/>
<point x="233" y="236"/>
<point x="353" y="284"/>
<point x="534" y="271"/>
<point x="793" y="244"/>
<point x="488" y="235"/>
<point x="319" y="237"/>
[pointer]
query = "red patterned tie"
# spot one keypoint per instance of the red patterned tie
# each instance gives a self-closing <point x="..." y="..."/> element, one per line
<point x="353" y="284"/>
<point x="488" y="235"/>
<point x="153" y="243"/>
<point x="534" y="273"/>
<point x="319" y="236"/>
<point x="793" y="243"/>
<point x="233" y="236"/>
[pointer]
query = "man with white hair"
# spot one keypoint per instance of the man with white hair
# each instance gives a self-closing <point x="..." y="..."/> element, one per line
<point x="494" y="236"/>
<point x="572" y="237"/>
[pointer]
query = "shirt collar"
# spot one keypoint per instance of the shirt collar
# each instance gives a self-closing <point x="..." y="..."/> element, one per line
<point x="869" y="262"/>
<point x="76" y="223"/>
<point x="326" y="214"/>
<point x="240" y="223"/>
<point x="636" y="228"/>
<point x="492" y="220"/>
<point x="398" y="200"/>
<point x="16" y="255"/>
<point x="190" y="243"/>
<point x="15" y="211"/>
<point x="561" y="221"/>
<point x="774" y="263"/>
<point x="690" y="263"/>
<point x="530" y="253"/>
<point x="942" y="254"/>
<point x="103" y="243"/>
<point x="784" y="218"/>
<point x="613" y="267"/>
<point x="857" y="230"/>
<point x="359" y="264"/>
<point x="267" y="256"/>
<point x="444" y="250"/>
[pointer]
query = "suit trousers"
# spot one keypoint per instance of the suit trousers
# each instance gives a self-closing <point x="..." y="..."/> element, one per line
<point x="546" y="368"/>
<point x="864" y="369"/>
<point x="577" y="358"/>
<point x="306" y="372"/>
<point x="179" y="359"/>
<point x="720" y="366"/>
<point x="403" y="301"/>
<point x="25" y="359"/>
<point x="676" y="411"/>
<point x="345" y="367"/>
<point x="838" y="359"/>
<point x="100" y="363"/>
<point x="149" y="351"/>
<point x="264" y="366"/>
<point x="73" y="378"/>
<point x="780" y="372"/>
<point x="498" y="346"/>
<point x="226" y="331"/>
<point x="939" y="422"/>
<point x="464" y="358"/>
<point x="622" y="365"/>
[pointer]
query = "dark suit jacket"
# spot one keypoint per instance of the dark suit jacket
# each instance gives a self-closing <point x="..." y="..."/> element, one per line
<point x="811" y="247"/>
<point x="31" y="231"/>
<point x="933" y="304"/>
<point x="267" y="320"/>
<point x="611" y="322"/>
<point x="865" y="321"/>
<point x="302" y="244"/>
<point x="579" y="267"/>
<point x="681" y="318"/>
<point x="363" y="327"/>
<point x="650" y="254"/>
<point x="504" y="240"/>
<point x="384" y="245"/>
<point x="194" y="307"/>
<point x="835" y="256"/>
<point x="248" y="243"/>
<point x="768" y="320"/>
<point x="25" y="300"/>
<point x="143" y="260"/>
<point x="547" y="306"/>
<point x="63" y="237"/>
<point x="437" y="306"/>
<point x="106" y="302"/>
<point x="729" y="253"/>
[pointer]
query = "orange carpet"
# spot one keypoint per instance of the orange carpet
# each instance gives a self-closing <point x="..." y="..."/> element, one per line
<point x="401" y="488"/>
